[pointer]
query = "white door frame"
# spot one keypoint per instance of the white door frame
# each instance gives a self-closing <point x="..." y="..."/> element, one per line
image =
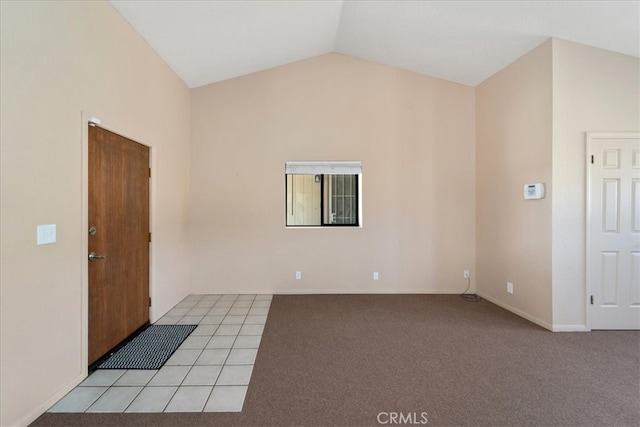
<point x="590" y="137"/>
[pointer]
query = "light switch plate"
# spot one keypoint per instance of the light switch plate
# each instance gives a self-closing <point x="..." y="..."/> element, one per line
<point x="46" y="234"/>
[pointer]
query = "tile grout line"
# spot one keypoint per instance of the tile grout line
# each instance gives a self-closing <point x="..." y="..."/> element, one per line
<point x="134" y="397"/>
<point x="194" y="364"/>
<point x="223" y="363"/>
<point x="215" y="328"/>
<point x="150" y="379"/>
<point x="105" y="392"/>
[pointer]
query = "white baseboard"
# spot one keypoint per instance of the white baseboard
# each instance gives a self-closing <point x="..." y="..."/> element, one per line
<point x="521" y="313"/>
<point x="41" y="409"/>
<point x="333" y="292"/>
<point x="570" y="328"/>
<point x="517" y="311"/>
<point x="366" y="292"/>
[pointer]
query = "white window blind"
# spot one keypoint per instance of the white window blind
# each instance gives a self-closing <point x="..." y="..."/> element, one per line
<point x="323" y="168"/>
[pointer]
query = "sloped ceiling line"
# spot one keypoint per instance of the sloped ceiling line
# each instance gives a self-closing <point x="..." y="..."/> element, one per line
<point x="462" y="41"/>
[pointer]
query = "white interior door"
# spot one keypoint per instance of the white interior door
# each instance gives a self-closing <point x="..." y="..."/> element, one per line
<point x="614" y="230"/>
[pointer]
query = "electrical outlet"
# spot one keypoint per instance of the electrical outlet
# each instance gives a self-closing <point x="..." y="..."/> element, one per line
<point x="466" y="274"/>
<point x="298" y="275"/>
<point x="510" y="287"/>
<point x="376" y="275"/>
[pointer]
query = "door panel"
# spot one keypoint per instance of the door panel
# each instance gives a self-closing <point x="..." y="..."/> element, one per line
<point x="609" y="279"/>
<point x="635" y="205"/>
<point x="635" y="271"/>
<point x="614" y="233"/>
<point x="611" y="192"/>
<point x="119" y="212"/>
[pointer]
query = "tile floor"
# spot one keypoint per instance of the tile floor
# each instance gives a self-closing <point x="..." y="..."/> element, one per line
<point x="210" y="371"/>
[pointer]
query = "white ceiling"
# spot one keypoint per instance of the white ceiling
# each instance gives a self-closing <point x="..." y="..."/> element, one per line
<point x="461" y="41"/>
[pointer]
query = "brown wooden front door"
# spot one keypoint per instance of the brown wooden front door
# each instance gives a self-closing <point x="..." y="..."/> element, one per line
<point x="118" y="239"/>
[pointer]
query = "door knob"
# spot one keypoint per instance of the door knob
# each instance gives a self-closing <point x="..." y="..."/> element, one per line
<point x="94" y="256"/>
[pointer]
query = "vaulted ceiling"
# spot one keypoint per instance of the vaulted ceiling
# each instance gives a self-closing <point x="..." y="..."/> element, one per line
<point x="460" y="41"/>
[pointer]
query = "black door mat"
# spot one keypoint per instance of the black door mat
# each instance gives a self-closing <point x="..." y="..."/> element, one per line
<point x="149" y="350"/>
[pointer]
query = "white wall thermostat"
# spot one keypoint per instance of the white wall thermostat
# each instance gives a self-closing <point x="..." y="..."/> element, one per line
<point x="534" y="191"/>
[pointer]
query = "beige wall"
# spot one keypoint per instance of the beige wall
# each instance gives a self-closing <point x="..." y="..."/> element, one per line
<point x="425" y="204"/>
<point x="58" y="59"/>
<point x="415" y="138"/>
<point x="593" y="90"/>
<point x="514" y="146"/>
<point x="531" y="123"/>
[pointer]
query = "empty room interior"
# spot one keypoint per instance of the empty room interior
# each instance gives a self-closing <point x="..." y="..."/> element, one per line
<point x="409" y="212"/>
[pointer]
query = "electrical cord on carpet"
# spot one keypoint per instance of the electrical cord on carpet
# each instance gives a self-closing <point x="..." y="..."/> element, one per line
<point x="469" y="297"/>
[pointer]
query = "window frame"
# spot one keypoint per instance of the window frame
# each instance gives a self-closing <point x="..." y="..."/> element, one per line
<point x="355" y="207"/>
<point x="334" y="168"/>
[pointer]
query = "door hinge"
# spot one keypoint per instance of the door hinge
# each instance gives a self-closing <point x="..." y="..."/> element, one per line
<point x="149" y="237"/>
<point x="592" y="159"/>
<point x="149" y="301"/>
<point x="591" y="299"/>
<point x="149" y="172"/>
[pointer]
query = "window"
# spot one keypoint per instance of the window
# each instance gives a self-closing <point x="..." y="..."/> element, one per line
<point x="323" y="193"/>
